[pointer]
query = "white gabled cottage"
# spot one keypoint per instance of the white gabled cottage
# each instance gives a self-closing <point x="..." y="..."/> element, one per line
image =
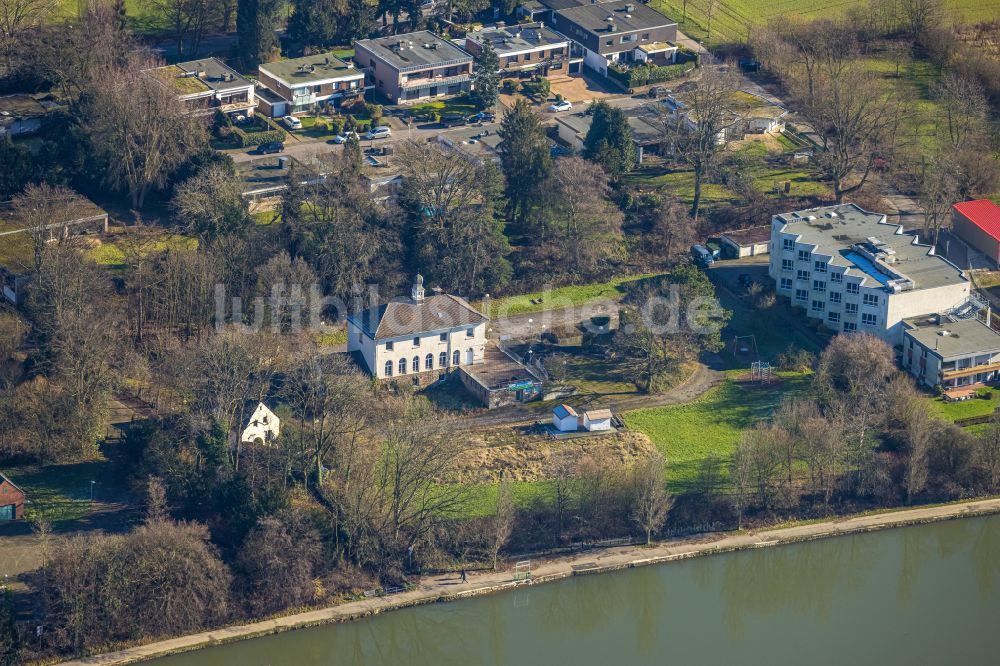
<point x="418" y="334"/>
<point x="263" y="426"/>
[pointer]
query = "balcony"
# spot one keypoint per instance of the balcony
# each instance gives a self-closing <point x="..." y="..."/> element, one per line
<point x="435" y="81"/>
<point x="969" y="371"/>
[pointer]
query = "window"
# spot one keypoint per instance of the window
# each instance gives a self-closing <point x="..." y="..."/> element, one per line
<point x="787" y="264"/>
<point x="833" y="317"/>
<point x="868" y="319"/>
<point x="804" y="255"/>
<point x="819" y="285"/>
<point x="628" y="38"/>
<point x="786" y="283"/>
<point x="443" y="337"/>
<point x="443" y="359"/>
<point x="850" y="326"/>
<point x="429" y="362"/>
<point x="645" y="36"/>
<point x="818" y="306"/>
<point x="416" y="364"/>
<point x="610" y="42"/>
<point x="416" y="342"/>
<point x="801" y="295"/>
<point x="851" y="308"/>
<point x="835" y="296"/>
<point x="870" y="299"/>
<point x="802" y="275"/>
<point x="819" y="266"/>
<point x="456" y="357"/>
<point x="527" y="57"/>
<point x="836" y="277"/>
<point x="402" y="366"/>
<point x="789" y="244"/>
<point x="853" y="288"/>
<point x="388" y="345"/>
<point x="470" y="332"/>
<point x="388" y="368"/>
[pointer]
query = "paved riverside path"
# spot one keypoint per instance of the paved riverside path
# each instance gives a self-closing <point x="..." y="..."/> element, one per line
<point x="449" y="586"/>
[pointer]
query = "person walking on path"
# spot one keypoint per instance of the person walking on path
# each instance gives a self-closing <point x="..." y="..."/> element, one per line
<point x="463" y="575"/>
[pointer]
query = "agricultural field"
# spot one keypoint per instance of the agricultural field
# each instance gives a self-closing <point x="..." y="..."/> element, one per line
<point x="733" y="20"/>
<point x="688" y="434"/>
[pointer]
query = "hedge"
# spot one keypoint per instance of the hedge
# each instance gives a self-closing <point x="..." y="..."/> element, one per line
<point x="247" y="139"/>
<point x="646" y="74"/>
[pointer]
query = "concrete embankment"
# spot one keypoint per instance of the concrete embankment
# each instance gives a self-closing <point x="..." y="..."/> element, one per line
<point x="447" y="588"/>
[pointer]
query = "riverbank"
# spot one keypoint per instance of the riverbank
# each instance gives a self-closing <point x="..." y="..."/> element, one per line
<point x="447" y="588"/>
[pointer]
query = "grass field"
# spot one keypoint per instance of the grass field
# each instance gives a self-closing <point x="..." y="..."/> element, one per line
<point x="733" y="20"/>
<point x="688" y="434"/>
<point x="111" y="254"/>
<point x="965" y="409"/>
<point x="561" y="297"/>
<point x="59" y="493"/>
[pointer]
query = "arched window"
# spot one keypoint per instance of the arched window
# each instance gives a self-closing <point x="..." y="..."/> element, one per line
<point x="402" y="366"/>
<point x="443" y="359"/>
<point x="456" y="358"/>
<point x="388" y="368"/>
<point x="429" y="362"/>
<point x="416" y="364"/>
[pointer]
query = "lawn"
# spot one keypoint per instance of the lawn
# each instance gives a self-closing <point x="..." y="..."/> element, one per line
<point x="17" y="252"/>
<point x="460" y="105"/>
<point x="561" y="297"/>
<point x="481" y="499"/>
<point x="688" y="434"/>
<point x="111" y="255"/>
<point x="965" y="409"/>
<point x="333" y="338"/>
<point x="59" y="493"/>
<point x="733" y="20"/>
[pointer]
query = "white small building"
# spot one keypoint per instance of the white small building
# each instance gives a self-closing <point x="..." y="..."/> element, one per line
<point x="597" y="419"/>
<point x="263" y="426"/>
<point x="565" y="419"/>
<point x="746" y="242"/>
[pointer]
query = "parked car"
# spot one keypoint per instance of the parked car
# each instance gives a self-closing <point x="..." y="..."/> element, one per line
<point x="658" y="91"/>
<point x="271" y="147"/>
<point x="345" y="137"/>
<point x="292" y="123"/>
<point x="702" y="256"/>
<point x="481" y="117"/>
<point x="564" y="105"/>
<point x="381" y="132"/>
<point x="452" y="120"/>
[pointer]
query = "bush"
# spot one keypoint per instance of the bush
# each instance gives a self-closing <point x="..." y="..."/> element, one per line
<point x="267" y="133"/>
<point x="537" y="87"/>
<point x="648" y="74"/>
<point x="509" y="86"/>
<point x="336" y="124"/>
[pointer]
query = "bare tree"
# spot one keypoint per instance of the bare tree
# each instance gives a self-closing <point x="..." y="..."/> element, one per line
<point x="139" y="126"/>
<point x="279" y="562"/>
<point x="502" y="521"/>
<point x="988" y="454"/>
<point x="187" y="21"/>
<point x="760" y="450"/>
<point x="211" y="204"/>
<point x="920" y="15"/>
<point x="44" y="210"/>
<point x="672" y="231"/>
<point x="741" y="475"/>
<point x="964" y="109"/>
<point x="652" y="502"/>
<point x="696" y="134"/>
<point x="156" y="500"/>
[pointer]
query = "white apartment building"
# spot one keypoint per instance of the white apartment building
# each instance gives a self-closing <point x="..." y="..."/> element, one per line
<point x="418" y="335"/>
<point x="854" y="271"/>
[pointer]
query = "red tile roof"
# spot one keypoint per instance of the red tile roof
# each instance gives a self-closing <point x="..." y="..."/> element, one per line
<point x="983" y="213"/>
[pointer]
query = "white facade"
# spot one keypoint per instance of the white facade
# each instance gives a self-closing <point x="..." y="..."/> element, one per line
<point x="854" y="272"/>
<point x="263" y="426"/>
<point x="565" y="419"/>
<point x="437" y="344"/>
<point x="597" y="420"/>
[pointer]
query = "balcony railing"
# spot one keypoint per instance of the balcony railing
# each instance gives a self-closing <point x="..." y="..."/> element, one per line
<point x="435" y="81"/>
<point x="971" y="370"/>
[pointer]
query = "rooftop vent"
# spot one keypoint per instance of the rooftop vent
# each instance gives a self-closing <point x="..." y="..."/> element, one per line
<point x="831" y="214"/>
<point x="630" y="8"/>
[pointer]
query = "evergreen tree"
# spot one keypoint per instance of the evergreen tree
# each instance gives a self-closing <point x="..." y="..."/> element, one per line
<point x="256" y="21"/>
<point x="524" y="158"/>
<point x="609" y="140"/>
<point x="325" y="23"/>
<point x="487" y="78"/>
<point x="121" y="17"/>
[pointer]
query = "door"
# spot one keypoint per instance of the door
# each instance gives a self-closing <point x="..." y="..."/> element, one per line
<point x="7" y="512"/>
<point x="468" y="357"/>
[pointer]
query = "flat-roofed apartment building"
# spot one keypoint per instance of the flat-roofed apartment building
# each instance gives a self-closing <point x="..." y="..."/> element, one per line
<point x="854" y="271"/>
<point x="304" y="84"/>
<point x="524" y="49"/>
<point x="209" y="85"/>
<point x="951" y="353"/>
<point x="415" y="66"/>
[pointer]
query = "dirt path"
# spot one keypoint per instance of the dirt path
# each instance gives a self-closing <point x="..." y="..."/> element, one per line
<point x="449" y="587"/>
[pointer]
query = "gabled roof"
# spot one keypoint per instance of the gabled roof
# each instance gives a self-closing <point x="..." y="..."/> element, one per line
<point x="597" y="414"/>
<point x="983" y="213"/>
<point x="562" y="411"/>
<point x="4" y="479"/>
<point x="405" y="317"/>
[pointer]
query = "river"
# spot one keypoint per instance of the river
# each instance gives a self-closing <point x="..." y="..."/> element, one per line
<point x="928" y="594"/>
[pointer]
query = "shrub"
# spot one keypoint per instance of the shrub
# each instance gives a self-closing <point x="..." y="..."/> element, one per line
<point x="647" y="74"/>
<point x="336" y="124"/>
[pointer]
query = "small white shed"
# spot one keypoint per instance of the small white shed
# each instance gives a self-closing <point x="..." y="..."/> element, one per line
<point x="564" y="418"/>
<point x="263" y="426"/>
<point x="597" y="419"/>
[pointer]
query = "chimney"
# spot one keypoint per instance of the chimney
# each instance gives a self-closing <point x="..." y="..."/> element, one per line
<point x="417" y="292"/>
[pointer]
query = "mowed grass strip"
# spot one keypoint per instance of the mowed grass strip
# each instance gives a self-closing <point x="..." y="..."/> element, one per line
<point x="561" y="297"/>
<point x="688" y="434"/>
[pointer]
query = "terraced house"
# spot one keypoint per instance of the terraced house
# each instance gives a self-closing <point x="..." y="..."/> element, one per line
<point x="854" y="271"/>
<point x="304" y="84"/>
<point x="415" y="66"/>
<point x="526" y="50"/>
<point x="209" y="85"/>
